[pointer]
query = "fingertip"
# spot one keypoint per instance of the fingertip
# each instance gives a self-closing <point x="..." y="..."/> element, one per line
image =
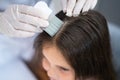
<point x="64" y="10"/>
<point x="44" y="24"/>
<point x="84" y="10"/>
<point x="75" y="15"/>
<point x="69" y="14"/>
<point x="94" y="4"/>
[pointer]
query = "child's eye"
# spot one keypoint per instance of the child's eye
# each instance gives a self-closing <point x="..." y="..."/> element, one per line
<point x="64" y="69"/>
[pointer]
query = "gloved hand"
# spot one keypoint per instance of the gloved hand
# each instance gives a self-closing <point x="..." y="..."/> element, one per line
<point x="24" y="21"/>
<point x="74" y="7"/>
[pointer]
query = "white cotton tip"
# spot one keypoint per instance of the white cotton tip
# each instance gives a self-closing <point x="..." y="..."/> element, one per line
<point x="54" y="25"/>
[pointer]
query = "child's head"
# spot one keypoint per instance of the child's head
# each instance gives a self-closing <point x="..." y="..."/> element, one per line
<point x="80" y="50"/>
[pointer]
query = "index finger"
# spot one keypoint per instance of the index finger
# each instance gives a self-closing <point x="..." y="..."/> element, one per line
<point x="64" y="4"/>
<point x="70" y="7"/>
<point x="31" y="11"/>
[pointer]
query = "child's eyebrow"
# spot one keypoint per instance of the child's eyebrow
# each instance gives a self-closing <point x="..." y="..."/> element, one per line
<point x="59" y="66"/>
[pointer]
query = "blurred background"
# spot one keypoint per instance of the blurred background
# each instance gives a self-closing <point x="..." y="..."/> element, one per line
<point x="111" y="10"/>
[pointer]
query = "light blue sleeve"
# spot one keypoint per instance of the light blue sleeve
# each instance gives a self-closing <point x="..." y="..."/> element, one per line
<point x="11" y="48"/>
<point x="16" y="70"/>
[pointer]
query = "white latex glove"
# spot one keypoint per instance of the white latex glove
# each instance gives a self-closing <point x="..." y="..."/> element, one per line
<point x="74" y="7"/>
<point x="24" y="21"/>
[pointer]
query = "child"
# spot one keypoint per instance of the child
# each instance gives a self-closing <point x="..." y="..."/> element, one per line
<point x="80" y="50"/>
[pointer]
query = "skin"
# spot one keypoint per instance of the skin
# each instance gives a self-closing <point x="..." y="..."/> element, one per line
<point x="55" y="64"/>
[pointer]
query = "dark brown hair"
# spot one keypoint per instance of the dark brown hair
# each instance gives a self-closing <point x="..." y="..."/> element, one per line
<point x="84" y="43"/>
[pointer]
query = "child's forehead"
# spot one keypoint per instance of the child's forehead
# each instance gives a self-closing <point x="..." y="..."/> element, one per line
<point x="54" y="55"/>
